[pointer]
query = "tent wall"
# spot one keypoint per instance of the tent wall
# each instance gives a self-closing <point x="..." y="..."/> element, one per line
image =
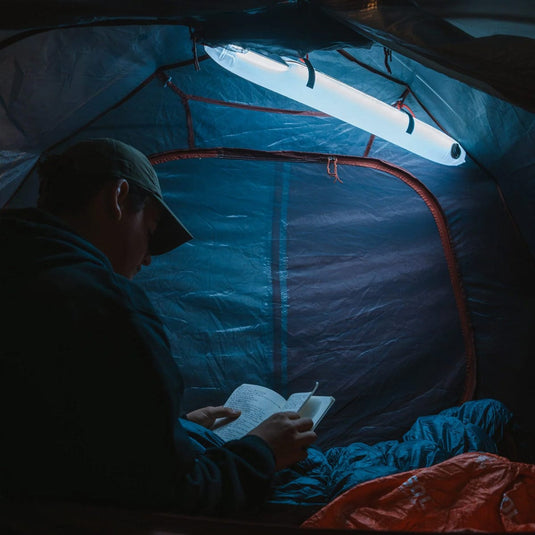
<point x="294" y="275"/>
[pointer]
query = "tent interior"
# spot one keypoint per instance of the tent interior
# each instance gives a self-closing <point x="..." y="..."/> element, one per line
<point x="321" y="252"/>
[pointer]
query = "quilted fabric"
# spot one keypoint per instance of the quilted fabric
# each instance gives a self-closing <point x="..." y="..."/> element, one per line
<point x="472" y="491"/>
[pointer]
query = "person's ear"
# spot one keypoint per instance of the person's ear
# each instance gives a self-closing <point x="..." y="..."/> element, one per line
<point x="120" y="193"/>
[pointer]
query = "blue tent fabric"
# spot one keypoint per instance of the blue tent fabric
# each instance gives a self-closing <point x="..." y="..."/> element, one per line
<point x="302" y="275"/>
<point x="308" y="286"/>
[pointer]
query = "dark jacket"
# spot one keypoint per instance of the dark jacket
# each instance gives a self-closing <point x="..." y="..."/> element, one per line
<point x="90" y="395"/>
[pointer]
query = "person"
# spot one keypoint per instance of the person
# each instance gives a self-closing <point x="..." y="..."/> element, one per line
<point x="91" y="397"/>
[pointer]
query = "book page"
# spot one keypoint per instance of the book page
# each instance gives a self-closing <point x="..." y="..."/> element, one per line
<point x="316" y="407"/>
<point x="256" y="403"/>
<point x="296" y="401"/>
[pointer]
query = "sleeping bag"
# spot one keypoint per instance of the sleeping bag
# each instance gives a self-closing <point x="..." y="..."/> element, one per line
<point x="306" y="487"/>
<point x="472" y="491"/>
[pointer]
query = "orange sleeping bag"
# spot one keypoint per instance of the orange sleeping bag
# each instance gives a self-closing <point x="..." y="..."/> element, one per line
<point x="472" y="491"/>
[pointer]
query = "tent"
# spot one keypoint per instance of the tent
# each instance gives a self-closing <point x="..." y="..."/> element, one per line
<point x="321" y="252"/>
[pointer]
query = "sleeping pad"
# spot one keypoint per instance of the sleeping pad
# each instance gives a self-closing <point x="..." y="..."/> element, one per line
<point x="324" y="475"/>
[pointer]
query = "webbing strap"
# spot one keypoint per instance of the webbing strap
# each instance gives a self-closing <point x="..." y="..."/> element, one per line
<point x="410" y="126"/>
<point x="311" y="73"/>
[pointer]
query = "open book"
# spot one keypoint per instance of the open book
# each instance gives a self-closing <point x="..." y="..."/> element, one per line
<point x="257" y="403"/>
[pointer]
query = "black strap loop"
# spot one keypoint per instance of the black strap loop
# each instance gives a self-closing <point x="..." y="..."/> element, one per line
<point x="410" y="126"/>
<point x="311" y="73"/>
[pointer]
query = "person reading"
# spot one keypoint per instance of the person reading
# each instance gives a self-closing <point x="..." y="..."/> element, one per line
<point x="91" y="396"/>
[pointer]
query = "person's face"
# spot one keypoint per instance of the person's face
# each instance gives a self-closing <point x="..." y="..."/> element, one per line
<point x="135" y="231"/>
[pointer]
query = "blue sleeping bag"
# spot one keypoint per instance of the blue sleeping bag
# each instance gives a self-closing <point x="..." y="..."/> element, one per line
<point x="323" y="475"/>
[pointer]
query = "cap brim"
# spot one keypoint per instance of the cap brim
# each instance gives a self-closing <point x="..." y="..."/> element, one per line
<point x="170" y="232"/>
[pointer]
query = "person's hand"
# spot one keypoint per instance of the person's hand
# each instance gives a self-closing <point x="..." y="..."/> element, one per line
<point x="288" y="435"/>
<point x="207" y="416"/>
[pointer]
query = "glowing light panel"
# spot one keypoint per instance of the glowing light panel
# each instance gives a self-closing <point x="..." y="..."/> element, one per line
<point x="289" y="77"/>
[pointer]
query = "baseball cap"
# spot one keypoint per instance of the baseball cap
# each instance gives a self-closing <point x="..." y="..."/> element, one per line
<point x="106" y="156"/>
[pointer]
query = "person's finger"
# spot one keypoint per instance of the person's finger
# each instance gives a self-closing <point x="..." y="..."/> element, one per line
<point x="223" y="415"/>
<point x="224" y="412"/>
<point x="307" y="438"/>
<point x="304" y="424"/>
<point x="291" y="415"/>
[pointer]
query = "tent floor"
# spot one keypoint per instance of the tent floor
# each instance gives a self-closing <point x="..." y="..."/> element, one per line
<point x="79" y="519"/>
<point x="54" y="518"/>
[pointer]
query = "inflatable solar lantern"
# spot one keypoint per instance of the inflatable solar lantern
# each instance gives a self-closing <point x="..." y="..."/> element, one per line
<point x="298" y="81"/>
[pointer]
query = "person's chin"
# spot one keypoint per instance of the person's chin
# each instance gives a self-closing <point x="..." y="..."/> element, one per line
<point x="130" y="273"/>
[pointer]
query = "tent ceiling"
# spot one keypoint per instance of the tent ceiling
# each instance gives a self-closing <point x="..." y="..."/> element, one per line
<point x="487" y="44"/>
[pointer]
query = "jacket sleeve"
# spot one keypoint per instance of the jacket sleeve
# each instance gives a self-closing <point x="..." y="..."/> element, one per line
<point x="228" y="479"/>
<point x="92" y="394"/>
<point x="151" y="458"/>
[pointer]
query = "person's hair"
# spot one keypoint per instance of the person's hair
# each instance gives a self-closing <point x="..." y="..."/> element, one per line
<point x="64" y="190"/>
